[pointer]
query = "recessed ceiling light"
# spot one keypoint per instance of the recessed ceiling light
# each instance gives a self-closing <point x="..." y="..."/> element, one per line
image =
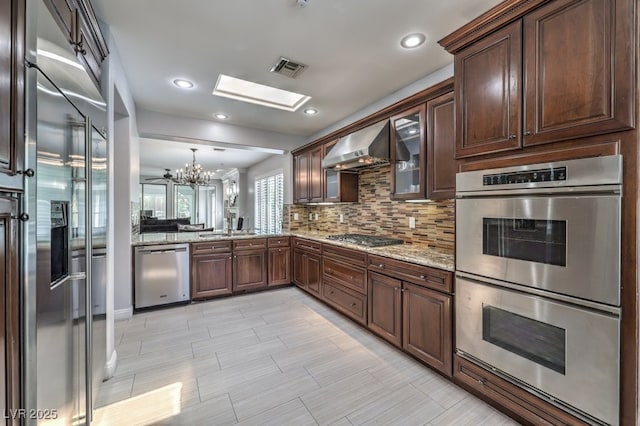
<point x="412" y="40"/>
<point x="259" y="94"/>
<point x="310" y="111"/>
<point x="221" y="116"/>
<point x="182" y="83"/>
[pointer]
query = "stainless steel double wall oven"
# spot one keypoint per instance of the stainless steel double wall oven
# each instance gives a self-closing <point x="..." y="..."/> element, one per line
<point x="538" y="279"/>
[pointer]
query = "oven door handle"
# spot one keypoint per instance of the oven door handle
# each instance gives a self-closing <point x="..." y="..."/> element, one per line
<point x="533" y="191"/>
<point x="614" y="310"/>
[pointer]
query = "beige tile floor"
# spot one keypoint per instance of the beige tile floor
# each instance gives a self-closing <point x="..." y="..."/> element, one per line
<point x="273" y="358"/>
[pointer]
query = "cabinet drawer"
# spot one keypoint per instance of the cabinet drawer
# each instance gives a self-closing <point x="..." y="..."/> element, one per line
<point x="211" y="247"/>
<point x="355" y="257"/>
<point x="527" y="408"/>
<point x="279" y="242"/>
<point x="346" y="301"/>
<point x="250" y="244"/>
<point x="417" y="274"/>
<point x="348" y="275"/>
<point x="307" y="245"/>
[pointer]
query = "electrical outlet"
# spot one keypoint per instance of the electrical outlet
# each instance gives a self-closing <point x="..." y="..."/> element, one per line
<point x="341" y="218"/>
<point x="317" y="215"/>
<point x="412" y="222"/>
<point x="310" y="216"/>
<point x="296" y="216"/>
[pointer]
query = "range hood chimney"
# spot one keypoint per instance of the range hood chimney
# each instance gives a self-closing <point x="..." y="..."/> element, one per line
<point x="365" y="148"/>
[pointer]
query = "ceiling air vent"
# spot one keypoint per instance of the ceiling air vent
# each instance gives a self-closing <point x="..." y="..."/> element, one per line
<point x="287" y="67"/>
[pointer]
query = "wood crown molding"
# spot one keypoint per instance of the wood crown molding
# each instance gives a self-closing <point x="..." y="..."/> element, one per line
<point x="499" y="16"/>
<point x="385" y="113"/>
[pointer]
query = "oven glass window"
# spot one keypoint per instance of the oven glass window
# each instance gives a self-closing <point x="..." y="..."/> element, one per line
<point x="534" y="340"/>
<point x="542" y="241"/>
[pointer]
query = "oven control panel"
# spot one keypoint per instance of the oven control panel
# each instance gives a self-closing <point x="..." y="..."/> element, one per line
<point x="541" y="175"/>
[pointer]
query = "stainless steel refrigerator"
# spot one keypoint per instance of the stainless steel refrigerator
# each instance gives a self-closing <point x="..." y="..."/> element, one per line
<point x="64" y="315"/>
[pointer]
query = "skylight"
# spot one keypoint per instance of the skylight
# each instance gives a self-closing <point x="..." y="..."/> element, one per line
<point x="248" y="91"/>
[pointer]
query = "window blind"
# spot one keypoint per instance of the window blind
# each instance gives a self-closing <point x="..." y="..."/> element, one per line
<point x="269" y="193"/>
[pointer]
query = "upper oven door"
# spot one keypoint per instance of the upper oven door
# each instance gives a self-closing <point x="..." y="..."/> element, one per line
<point x="563" y="244"/>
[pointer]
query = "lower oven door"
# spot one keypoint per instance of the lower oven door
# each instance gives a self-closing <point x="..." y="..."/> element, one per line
<point x="561" y="243"/>
<point x="567" y="352"/>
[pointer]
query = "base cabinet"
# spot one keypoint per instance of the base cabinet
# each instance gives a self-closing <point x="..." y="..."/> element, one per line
<point x="306" y="271"/>
<point x="413" y="318"/>
<point x="426" y="326"/>
<point x="211" y="275"/>
<point x="385" y="307"/>
<point x="279" y="266"/>
<point x="523" y="406"/>
<point x="249" y="269"/>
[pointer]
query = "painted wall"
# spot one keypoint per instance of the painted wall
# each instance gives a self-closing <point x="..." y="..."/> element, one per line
<point x="123" y="165"/>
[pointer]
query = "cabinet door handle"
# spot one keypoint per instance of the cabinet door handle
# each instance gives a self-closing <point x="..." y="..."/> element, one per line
<point x="395" y="289"/>
<point x="229" y="257"/>
<point x="513" y="136"/>
<point x="527" y="133"/>
<point x="381" y="265"/>
<point x="353" y="304"/>
<point x="331" y="292"/>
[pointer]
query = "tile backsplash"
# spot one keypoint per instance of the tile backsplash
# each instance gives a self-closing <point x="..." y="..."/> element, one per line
<point x="377" y="214"/>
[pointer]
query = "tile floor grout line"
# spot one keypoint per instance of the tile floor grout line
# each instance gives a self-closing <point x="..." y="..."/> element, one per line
<point x="309" y="411"/>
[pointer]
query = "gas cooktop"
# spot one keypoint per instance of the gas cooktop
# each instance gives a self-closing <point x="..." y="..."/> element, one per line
<point x="365" y="240"/>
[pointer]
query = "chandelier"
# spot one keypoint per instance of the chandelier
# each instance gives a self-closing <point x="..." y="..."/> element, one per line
<point x="193" y="174"/>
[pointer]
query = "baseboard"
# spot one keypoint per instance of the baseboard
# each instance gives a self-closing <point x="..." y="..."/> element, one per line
<point x="123" y="314"/>
<point x="110" y="366"/>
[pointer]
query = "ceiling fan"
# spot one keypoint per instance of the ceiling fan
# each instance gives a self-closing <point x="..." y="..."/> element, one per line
<point x="166" y="177"/>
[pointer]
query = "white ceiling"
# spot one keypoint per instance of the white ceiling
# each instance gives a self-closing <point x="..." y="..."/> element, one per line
<point x="162" y="154"/>
<point x="351" y="48"/>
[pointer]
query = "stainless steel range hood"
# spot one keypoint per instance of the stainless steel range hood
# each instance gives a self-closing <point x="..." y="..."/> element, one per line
<point x="367" y="147"/>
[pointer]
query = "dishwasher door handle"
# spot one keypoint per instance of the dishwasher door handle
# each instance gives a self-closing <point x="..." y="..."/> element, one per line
<point x="176" y="250"/>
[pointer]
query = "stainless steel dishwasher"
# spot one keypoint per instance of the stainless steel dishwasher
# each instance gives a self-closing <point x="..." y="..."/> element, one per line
<point x="161" y="275"/>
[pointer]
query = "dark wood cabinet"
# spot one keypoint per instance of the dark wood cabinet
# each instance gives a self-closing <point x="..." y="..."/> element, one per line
<point x="488" y="93"/>
<point x="426" y="326"/>
<point x="562" y="71"/>
<point x="279" y="261"/>
<point x="338" y="186"/>
<point x="520" y="404"/>
<point x="308" y="176"/>
<point x="385" y="307"/>
<point x="77" y="20"/>
<point x="211" y="269"/>
<point x="211" y="275"/>
<point x="10" y="302"/>
<point x="441" y="162"/>
<point x="349" y="302"/>
<point x="578" y="70"/>
<point x="307" y="262"/>
<point x="408" y="152"/>
<point x="301" y="176"/>
<point x="249" y="269"/>
<point x="12" y="51"/>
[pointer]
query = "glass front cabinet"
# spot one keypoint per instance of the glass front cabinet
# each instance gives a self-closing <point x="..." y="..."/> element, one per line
<point x="408" y="154"/>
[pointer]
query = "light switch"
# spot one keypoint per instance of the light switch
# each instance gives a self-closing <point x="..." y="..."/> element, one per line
<point x="317" y="215"/>
<point x="310" y="216"/>
<point x="296" y="216"/>
<point x="412" y="222"/>
<point x="341" y="218"/>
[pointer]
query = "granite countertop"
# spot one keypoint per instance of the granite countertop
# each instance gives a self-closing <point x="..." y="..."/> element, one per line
<point x="420" y="254"/>
<point x="152" y="238"/>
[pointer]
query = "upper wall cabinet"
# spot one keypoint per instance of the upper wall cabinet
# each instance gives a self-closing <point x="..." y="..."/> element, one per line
<point x="313" y="184"/>
<point x="408" y="152"/>
<point x="77" y="20"/>
<point x="441" y="163"/>
<point x="12" y="29"/>
<point x="562" y="71"/>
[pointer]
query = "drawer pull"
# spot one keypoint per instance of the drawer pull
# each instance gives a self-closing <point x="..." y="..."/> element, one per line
<point x="381" y="266"/>
<point x="353" y="304"/>
<point x="482" y="381"/>
<point x="250" y="244"/>
<point x="422" y="277"/>
<point x="395" y="289"/>
<point x="329" y="270"/>
<point x="331" y="292"/>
